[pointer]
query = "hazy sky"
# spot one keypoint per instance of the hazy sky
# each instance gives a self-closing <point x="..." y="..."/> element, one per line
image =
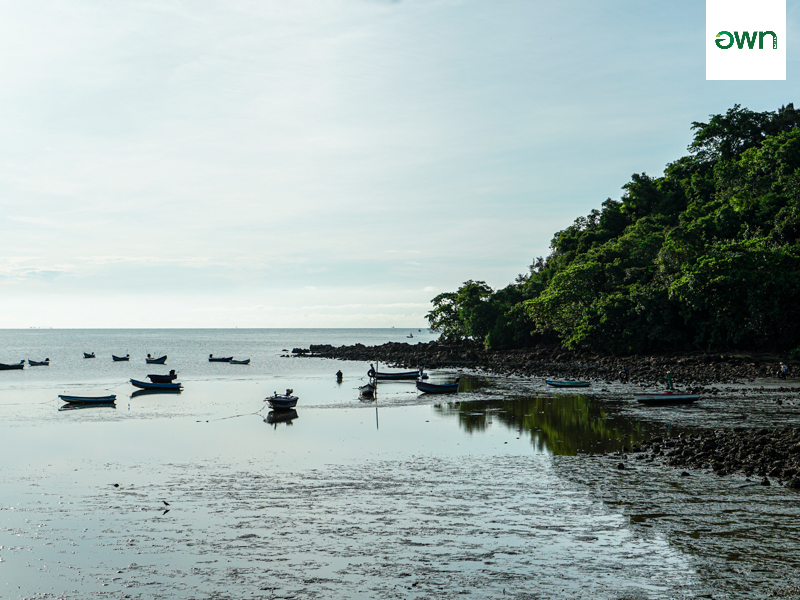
<point x="323" y="162"/>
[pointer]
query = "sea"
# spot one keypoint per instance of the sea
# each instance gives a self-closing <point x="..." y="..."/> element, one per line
<point x="505" y="490"/>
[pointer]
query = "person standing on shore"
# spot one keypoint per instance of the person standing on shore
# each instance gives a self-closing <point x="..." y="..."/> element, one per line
<point x="783" y="371"/>
<point x="623" y="374"/>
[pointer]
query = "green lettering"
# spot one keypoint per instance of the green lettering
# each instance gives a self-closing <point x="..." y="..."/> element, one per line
<point x="720" y="43"/>
<point x="746" y="38"/>
<point x="761" y="35"/>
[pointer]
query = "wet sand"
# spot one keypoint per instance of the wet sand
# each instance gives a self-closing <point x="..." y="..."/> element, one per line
<point x="507" y="490"/>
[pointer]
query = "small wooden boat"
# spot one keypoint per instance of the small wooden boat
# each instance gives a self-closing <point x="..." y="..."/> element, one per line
<point x="39" y="363"/>
<point x="282" y="400"/>
<point x="240" y="362"/>
<point x="146" y="385"/>
<point x="88" y="355"/>
<point x="666" y="398"/>
<point x="434" y="388"/>
<point x="212" y="358"/>
<point x="399" y="376"/>
<point x="567" y="384"/>
<point x="88" y="399"/>
<point x="367" y="390"/>
<point x="125" y="358"/>
<point x="281" y="416"/>
<point x="19" y="365"/>
<point x="163" y="378"/>
<point x="156" y="361"/>
<point x="410" y="335"/>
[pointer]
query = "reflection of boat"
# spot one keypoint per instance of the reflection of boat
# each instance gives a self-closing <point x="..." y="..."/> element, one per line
<point x="19" y="365"/>
<point x="146" y="385"/>
<point x="212" y="358"/>
<point x="127" y="357"/>
<point x="281" y="416"/>
<point x="73" y="406"/>
<point x="433" y="388"/>
<point x="163" y="378"/>
<point x="39" y="363"/>
<point x="567" y="384"/>
<point x="240" y="362"/>
<point x="282" y="400"/>
<point x="666" y="398"/>
<point x="156" y="361"/>
<point x="88" y="355"/>
<point x="151" y="392"/>
<point x="88" y="399"/>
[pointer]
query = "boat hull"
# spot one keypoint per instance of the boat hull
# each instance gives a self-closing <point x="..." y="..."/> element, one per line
<point x="5" y="367"/>
<point x="227" y="359"/>
<point x="240" y="362"/>
<point x="282" y="402"/>
<point x="39" y="363"/>
<point x="405" y="376"/>
<point x="432" y="388"/>
<point x="146" y="385"/>
<point x="162" y="378"/>
<point x="567" y="384"/>
<point x="120" y="358"/>
<point x="88" y="399"/>
<point x="156" y="361"/>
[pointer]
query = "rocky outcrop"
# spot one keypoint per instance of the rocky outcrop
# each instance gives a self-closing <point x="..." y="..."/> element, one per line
<point x="690" y="369"/>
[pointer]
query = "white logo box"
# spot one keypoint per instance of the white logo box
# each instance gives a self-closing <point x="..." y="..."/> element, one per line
<point x="740" y="16"/>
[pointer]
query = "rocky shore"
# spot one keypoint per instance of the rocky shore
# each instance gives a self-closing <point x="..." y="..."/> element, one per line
<point x="761" y="452"/>
<point x="689" y="369"/>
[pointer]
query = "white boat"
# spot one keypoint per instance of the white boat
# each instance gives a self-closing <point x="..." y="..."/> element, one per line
<point x="282" y="400"/>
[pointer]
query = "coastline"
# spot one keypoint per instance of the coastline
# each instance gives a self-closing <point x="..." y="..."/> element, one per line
<point x="689" y="369"/>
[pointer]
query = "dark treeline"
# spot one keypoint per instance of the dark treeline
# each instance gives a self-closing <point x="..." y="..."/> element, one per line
<point x="706" y="257"/>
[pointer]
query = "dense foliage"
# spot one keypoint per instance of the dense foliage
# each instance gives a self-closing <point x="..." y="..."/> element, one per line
<point x="706" y="256"/>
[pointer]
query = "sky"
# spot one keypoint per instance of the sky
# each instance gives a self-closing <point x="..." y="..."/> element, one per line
<point x="324" y="163"/>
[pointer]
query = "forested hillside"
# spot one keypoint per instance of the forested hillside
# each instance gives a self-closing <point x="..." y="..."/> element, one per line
<point x="705" y="257"/>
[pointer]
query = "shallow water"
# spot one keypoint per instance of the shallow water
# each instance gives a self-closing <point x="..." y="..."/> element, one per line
<point x="487" y="494"/>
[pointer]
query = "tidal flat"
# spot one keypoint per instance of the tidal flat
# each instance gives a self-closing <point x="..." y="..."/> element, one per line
<point x="505" y="491"/>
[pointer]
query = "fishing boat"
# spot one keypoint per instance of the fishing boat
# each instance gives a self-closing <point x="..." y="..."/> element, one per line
<point x="368" y="390"/>
<point x="125" y="358"/>
<point x="436" y="388"/>
<point x="282" y="400"/>
<point x="146" y="385"/>
<point x="240" y="362"/>
<point x="666" y="398"/>
<point x="212" y="358"/>
<point x="567" y="384"/>
<point x="19" y="365"/>
<point x="88" y="355"/>
<point x="398" y="376"/>
<point x="156" y="361"/>
<point x="39" y="363"/>
<point x="163" y="378"/>
<point x="88" y="399"/>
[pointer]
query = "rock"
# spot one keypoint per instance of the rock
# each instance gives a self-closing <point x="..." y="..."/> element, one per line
<point x="765" y="481"/>
<point x="684" y="473"/>
<point x="621" y="466"/>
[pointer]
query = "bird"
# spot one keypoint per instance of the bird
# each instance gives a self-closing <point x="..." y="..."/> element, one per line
<point x="165" y="503"/>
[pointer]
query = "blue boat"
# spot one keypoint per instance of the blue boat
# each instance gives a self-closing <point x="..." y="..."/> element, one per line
<point x="567" y="384"/>
<point x="146" y="385"/>
<point x="437" y="388"/>
<point x="88" y="399"/>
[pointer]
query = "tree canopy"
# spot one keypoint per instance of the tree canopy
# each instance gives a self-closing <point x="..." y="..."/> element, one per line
<point x="706" y="256"/>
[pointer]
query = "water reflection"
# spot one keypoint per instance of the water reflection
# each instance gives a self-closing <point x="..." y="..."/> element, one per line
<point x="281" y="416"/>
<point x="564" y="424"/>
<point x="71" y="406"/>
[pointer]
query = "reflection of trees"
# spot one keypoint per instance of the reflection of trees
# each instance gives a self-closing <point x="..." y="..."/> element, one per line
<point x="560" y="425"/>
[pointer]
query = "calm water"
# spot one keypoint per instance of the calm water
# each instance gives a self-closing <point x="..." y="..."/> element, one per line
<point x="490" y="494"/>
